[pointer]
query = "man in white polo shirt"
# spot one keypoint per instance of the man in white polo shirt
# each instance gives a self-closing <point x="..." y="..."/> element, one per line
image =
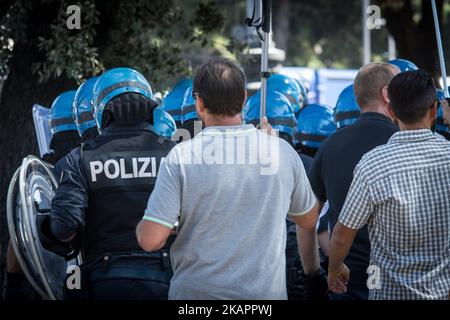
<point x="229" y="189"/>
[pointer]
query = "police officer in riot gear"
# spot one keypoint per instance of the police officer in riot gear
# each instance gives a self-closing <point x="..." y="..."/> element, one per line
<point x="63" y="128"/>
<point x="172" y="103"/>
<point x="83" y="112"/>
<point x="290" y="88"/>
<point x="82" y="116"/>
<point x="304" y="89"/>
<point x="279" y="113"/>
<point x="163" y="124"/>
<point x="315" y="123"/>
<point x="404" y="65"/>
<point x="64" y="138"/>
<point x="346" y="111"/>
<point x="74" y="117"/>
<point x="103" y="193"/>
<point x="189" y="117"/>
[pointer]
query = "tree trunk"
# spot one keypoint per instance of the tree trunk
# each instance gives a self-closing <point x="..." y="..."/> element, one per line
<point x="281" y="24"/>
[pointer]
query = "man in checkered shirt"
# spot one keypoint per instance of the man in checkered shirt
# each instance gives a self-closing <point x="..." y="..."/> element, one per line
<point x="401" y="190"/>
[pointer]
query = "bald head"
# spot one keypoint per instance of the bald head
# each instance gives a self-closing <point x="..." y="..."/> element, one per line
<point x="369" y="84"/>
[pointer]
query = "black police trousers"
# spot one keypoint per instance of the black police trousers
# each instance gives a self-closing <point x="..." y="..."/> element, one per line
<point x="128" y="289"/>
<point x="124" y="277"/>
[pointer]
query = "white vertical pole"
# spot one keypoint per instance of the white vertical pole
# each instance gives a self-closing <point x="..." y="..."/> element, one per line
<point x="264" y="68"/>
<point x="266" y="29"/>
<point x="366" y="33"/>
<point x="440" y="50"/>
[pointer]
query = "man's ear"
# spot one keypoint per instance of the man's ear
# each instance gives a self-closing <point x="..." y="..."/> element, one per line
<point x="384" y="94"/>
<point x="391" y="113"/>
<point x="434" y="111"/>
<point x="200" y="105"/>
<point x="245" y="99"/>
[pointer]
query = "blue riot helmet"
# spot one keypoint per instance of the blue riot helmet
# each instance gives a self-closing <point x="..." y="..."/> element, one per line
<point x="190" y="119"/>
<point x="173" y="102"/>
<point x="188" y="110"/>
<point x="163" y="123"/>
<point x="440" y="95"/>
<point x="347" y="110"/>
<point x="61" y="117"/>
<point x="64" y="132"/>
<point x="82" y="108"/>
<point x="303" y="92"/>
<point x="440" y="126"/>
<point x="124" y="96"/>
<point x="279" y="112"/>
<point x="404" y="65"/>
<point x="288" y="87"/>
<point x="315" y="123"/>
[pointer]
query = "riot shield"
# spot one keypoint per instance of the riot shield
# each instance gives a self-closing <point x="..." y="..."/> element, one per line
<point x="17" y="233"/>
<point x="31" y="191"/>
<point x="41" y="118"/>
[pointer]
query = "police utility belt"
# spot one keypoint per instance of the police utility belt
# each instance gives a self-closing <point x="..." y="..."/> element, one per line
<point x="153" y="266"/>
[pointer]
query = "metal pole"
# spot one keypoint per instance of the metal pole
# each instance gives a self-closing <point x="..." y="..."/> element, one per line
<point x="266" y="28"/>
<point x="366" y="33"/>
<point x="264" y="68"/>
<point x="440" y="50"/>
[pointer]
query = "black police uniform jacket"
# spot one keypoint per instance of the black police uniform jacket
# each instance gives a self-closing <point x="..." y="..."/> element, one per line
<point x="104" y="188"/>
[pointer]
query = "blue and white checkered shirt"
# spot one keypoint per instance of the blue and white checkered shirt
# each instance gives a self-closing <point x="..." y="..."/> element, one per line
<point x="401" y="190"/>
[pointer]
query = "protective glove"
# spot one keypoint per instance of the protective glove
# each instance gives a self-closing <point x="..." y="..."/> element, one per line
<point x="316" y="286"/>
<point x="50" y="242"/>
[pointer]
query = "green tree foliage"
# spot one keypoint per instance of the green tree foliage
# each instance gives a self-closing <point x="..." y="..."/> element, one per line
<point x="67" y="52"/>
<point x="328" y="33"/>
<point x="12" y="27"/>
<point x="147" y="35"/>
<point x="162" y="37"/>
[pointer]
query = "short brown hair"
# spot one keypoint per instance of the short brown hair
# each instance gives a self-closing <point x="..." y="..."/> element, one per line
<point x="221" y="85"/>
<point x="369" y="81"/>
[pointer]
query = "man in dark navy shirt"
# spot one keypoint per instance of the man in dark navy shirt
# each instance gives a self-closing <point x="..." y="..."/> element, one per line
<point x="332" y="171"/>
